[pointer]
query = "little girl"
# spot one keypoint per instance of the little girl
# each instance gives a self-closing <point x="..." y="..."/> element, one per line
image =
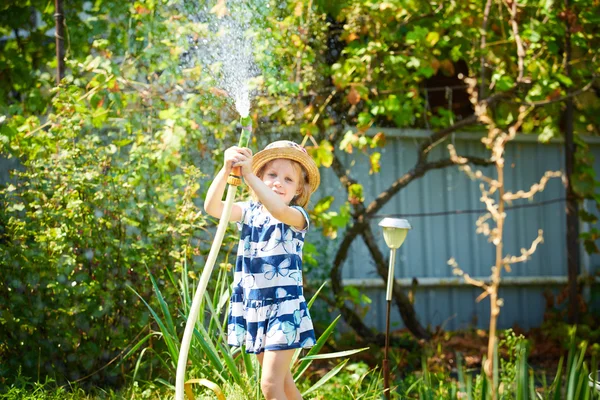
<point x="268" y="312"/>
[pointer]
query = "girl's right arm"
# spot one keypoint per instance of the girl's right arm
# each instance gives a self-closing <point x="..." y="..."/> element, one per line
<point x="213" y="203"/>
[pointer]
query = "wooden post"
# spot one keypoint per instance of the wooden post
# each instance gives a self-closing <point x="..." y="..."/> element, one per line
<point x="59" y="17"/>
<point x="572" y="207"/>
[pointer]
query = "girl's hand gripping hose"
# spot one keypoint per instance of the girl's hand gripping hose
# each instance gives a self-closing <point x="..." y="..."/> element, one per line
<point x="234" y="180"/>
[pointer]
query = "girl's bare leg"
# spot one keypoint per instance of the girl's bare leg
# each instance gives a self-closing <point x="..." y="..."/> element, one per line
<point x="277" y="382"/>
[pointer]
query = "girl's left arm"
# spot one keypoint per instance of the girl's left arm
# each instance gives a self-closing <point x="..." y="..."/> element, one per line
<point x="277" y="207"/>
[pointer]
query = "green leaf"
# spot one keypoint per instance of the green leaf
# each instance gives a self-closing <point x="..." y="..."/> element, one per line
<point x="334" y="355"/>
<point x="16" y="207"/>
<point x="169" y="113"/>
<point x="324" y="204"/>
<point x="413" y="62"/>
<point x="565" y="80"/>
<point x="505" y="83"/>
<point x="548" y="133"/>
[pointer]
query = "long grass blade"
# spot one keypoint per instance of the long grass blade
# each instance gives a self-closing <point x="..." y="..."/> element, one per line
<point x="169" y="338"/>
<point x="137" y="365"/>
<point x="139" y="344"/>
<point x="163" y="305"/>
<point x="315" y="349"/>
<point x="312" y="299"/>
<point x="587" y="386"/>
<point x="213" y="318"/>
<point x="495" y="367"/>
<point x="571" y="381"/>
<point x="582" y="381"/>
<point x="571" y="356"/>
<point x="425" y="369"/>
<point x="334" y="355"/>
<point x="184" y="292"/>
<point x="484" y="383"/>
<point x="557" y="384"/>
<point x="469" y="388"/>
<point x="248" y="363"/>
<point x="209" y="349"/>
<point x="522" y="375"/>
<point x="414" y="385"/>
<point x="460" y="371"/>
<point x="532" y="393"/>
<point x="232" y="368"/>
<point x="325" y="378"/>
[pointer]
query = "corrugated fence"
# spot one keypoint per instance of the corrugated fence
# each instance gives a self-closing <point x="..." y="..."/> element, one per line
<point x="442" y="208"/>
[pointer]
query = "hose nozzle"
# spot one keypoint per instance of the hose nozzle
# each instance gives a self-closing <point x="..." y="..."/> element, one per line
<point x="235" y="177"/>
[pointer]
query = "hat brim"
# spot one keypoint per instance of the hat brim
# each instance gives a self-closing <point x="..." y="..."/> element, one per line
<point x="261" y="158"/>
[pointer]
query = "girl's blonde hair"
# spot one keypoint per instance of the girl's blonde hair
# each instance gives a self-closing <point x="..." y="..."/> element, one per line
<point x="304" y="189"/>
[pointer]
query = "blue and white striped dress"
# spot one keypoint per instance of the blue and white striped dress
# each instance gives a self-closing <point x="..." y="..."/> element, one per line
<point x="268" y="310"/>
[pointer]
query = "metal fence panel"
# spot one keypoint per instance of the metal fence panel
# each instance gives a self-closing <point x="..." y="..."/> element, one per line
<point x="436" y="238"/>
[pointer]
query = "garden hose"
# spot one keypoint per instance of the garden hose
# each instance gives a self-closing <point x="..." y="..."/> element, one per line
<point x="234" y="180"/>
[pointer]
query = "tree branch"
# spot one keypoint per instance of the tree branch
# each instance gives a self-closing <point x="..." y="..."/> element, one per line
<point x="560" y="99"/>
<point x="486" y="14"/>
<point x="535" y="188"/>
<point x="417" y="172"/>
<point x="335" y="275"/>
<point x="518" y="41"/>
<point x="439" y="136"/>
<point x="525" y="253"/>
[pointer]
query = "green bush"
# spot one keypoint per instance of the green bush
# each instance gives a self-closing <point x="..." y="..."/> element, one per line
<point x="83" y="218"/>
<point x="107" y="189"/>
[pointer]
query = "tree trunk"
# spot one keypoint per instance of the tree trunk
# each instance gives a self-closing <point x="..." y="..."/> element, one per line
<point x="407" y="311"/>
<point x="59" y="17"/>
<point x="572" y="208"/>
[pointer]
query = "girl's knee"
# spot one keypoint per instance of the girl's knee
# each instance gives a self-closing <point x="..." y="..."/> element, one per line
<point x="270" y="387"/>
<point x="291" y="390"/>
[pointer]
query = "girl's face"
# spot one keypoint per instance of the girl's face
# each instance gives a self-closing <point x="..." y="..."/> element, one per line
<point x="283" y="178"/>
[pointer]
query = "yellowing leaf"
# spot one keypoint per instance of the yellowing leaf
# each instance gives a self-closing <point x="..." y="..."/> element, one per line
<point x="385" y="5"/>
<point x="353" y="96"/>
<point x="298" y="9"/>
<point x="220" y="9"/>
<point x="432" y="38"/>
<point x="323" y="154"/>
<point x="355" y="194"/>
<point x="379" y="140"/>
<point x="375" y="166"/>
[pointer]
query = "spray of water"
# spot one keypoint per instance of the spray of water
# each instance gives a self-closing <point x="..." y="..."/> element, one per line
<point x="224" y="48"/>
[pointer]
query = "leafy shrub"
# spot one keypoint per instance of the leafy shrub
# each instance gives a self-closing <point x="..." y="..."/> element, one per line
<point x="86" y="215"/>
<point x="107" y="189"/>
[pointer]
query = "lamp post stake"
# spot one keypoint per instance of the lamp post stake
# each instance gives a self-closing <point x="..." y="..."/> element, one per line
<point x="394" y="233"/>
<point x="388" y="298"/>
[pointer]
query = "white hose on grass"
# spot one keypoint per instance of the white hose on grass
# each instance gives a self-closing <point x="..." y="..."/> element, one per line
<point x="195" y="309"/>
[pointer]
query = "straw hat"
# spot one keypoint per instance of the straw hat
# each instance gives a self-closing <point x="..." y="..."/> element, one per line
<point x="291" y="151"/>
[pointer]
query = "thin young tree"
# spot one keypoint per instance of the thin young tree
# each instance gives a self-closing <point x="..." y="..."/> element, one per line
<point x="495" y="195"/>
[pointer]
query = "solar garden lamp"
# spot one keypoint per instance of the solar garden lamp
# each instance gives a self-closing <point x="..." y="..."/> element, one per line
<point x="394" y="234"/>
